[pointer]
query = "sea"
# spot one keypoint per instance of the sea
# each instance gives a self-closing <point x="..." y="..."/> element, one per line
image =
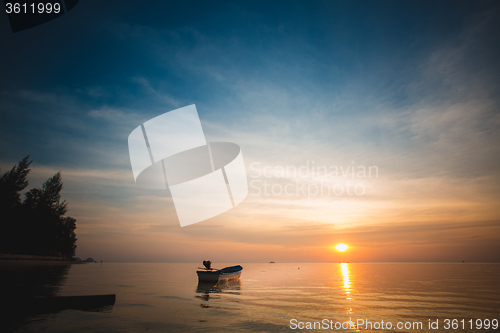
<point x="269" y="297"/>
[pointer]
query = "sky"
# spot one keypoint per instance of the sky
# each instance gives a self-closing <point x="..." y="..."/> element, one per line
<point x="409" y="90"/>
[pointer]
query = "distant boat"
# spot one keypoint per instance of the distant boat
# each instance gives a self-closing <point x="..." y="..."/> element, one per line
<point x="226" y="274"/>
<point x="271" y="262"/>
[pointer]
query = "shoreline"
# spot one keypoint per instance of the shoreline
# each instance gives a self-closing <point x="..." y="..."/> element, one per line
<point x="7" y="260"/>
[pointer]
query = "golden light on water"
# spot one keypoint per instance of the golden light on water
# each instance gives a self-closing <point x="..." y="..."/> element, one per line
<point x="344" y="269"/>
<point x="341" y="247"/>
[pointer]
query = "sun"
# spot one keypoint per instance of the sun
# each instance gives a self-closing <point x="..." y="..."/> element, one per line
<point x="341" y="247"/>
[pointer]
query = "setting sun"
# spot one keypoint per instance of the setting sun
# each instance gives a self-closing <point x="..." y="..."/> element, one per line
<point x="341" y="247"/>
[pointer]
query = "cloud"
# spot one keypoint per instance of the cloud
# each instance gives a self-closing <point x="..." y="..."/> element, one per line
<point x="163" y="98"/>
<point x="429" y="121"/>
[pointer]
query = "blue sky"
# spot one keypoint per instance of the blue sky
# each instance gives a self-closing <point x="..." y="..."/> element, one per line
<point x="411" y="87"/>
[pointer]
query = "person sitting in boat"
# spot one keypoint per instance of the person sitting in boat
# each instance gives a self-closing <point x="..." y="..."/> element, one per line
<point x="207" y="264"/>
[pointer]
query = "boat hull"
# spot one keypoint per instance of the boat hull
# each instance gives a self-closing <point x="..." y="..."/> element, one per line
<point x="226" y="274"/>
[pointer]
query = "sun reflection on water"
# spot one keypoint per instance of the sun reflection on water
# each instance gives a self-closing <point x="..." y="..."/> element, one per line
<point x="344" y="269"/>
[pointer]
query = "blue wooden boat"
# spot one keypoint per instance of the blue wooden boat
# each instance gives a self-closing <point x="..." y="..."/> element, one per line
<point x="226" y="274"/>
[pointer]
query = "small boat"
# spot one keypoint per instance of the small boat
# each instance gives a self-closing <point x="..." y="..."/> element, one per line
<point x="226" y="274"/>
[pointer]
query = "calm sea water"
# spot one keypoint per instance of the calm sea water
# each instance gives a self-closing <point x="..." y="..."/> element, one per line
<point x="158" y="297"/>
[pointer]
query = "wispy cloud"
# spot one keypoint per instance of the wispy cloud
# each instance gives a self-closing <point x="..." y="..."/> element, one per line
<point x="424" y="111"/>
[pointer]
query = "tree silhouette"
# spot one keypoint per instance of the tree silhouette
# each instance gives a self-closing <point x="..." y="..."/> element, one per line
<point x="12" y="182"/>
<point x="37" y="225"/>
